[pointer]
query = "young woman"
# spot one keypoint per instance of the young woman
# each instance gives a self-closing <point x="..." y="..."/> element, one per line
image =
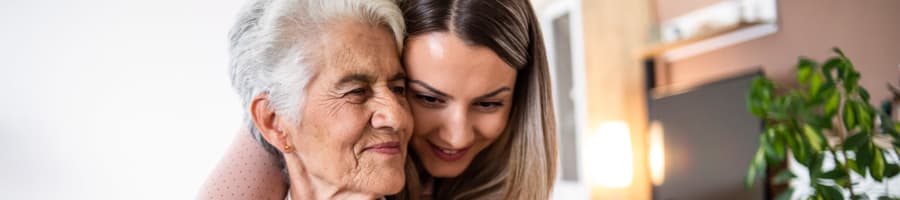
<point x="479" y="91"/>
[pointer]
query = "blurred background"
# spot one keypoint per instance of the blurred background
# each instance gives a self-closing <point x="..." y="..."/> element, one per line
<point x="106" y="99"/>
<point x="110" y="99"/>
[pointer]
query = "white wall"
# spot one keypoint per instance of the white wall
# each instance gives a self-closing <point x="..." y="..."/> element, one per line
<point x="103" y="99"/>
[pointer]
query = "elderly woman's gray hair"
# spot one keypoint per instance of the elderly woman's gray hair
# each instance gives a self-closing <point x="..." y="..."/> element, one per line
<point x="273" y="41"/>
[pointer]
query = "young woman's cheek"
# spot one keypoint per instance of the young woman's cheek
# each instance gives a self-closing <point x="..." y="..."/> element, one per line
<point x="491" y="125"/>
<point x="426" y="120"/>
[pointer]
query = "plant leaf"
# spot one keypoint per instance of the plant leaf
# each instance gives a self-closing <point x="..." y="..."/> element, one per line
<point x="864" y="157"/>
<point x="877" y="167"/>
<point x="798" y="149"/>
<point x="889" y="126"/>
<point x="838" y="51"/>
<point x="830" y="66"/>
<point x="835" y="173"/>
<point x="846" y="60"/>
<point x="863" y="93"/>
<point x="786" y="195"/>
<point x="804" y="70"/>
<point x="832" y="101"/>
<point x="855" y="141"/>
<point x="757" y="167"/>
<point x="897" y="127"/>
<point x="851" y="81"/>
<point x="815" y="83"/>
<point x="779" y="143"/>
<point x="843" y="182"/>
<point x="859" y="197"/>
<point x="851" y="163"/>
<point x="815" y="172"/>
<point x="831" y="192"/>
<point x="760" y="96"/>
<point x="814" y="138"/>
<point x="765" y="142"/>
<point x="849" y="115"/>
<point x="864" y="114"/>
<point x="783" y="177"/>
<point x="891" y="170"/>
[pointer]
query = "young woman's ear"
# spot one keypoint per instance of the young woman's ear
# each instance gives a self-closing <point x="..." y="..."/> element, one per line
<point x="266" y="121"/>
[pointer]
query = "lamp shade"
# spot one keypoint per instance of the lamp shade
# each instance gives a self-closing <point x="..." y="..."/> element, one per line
<point x="610" y="157"/>
<point x="657" y="154"/>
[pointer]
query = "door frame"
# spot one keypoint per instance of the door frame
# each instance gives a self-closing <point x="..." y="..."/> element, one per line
<point x="553" y="10"/>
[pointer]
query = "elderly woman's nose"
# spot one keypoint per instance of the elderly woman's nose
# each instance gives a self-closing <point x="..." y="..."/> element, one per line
<point x="390" y="113"/>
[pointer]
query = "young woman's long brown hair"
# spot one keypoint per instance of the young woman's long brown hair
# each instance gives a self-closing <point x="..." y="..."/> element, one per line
<point x="521" y="163"/>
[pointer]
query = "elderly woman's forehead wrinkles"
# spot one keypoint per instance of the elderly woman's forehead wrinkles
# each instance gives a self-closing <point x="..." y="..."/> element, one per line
<point x="356" y="77"/>
<point x="399" y="76"/>
<point x="341" y="57"/>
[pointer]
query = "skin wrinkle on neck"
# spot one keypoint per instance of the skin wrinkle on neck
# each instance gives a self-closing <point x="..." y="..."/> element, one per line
<point x="308" y="186"/>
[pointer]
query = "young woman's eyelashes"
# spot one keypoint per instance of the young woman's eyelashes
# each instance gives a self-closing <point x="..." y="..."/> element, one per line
<point x="488" y="106"/>
<point x="431" y="101"/>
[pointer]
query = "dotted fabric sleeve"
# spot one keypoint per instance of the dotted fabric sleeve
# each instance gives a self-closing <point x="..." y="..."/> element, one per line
<point x="246" y="172"/>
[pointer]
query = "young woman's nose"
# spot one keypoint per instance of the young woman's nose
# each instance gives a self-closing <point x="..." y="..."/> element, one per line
<point x="458" y="131"/>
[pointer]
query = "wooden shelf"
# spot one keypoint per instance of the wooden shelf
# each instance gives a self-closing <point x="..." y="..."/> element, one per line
<point x="711" y="41"/>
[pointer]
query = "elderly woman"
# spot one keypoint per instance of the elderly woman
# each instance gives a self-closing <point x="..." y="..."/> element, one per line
<point x="323" y="89"/>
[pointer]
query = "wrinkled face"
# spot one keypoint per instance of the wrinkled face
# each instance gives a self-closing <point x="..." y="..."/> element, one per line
<point x="460" y="95"/>
<point x="355" y="124"/>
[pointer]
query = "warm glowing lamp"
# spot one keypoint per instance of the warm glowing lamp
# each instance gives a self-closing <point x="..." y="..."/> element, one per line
<point x="610" y="162"/>
<point x="657" y="154"/>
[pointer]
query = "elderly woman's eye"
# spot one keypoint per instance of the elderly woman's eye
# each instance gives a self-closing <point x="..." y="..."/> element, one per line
<point x="399" y="90"/>
<point x="357" y="91"/>
<point x="359" y="95"/>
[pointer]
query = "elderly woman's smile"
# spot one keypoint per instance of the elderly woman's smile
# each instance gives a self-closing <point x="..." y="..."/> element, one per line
<point x="387" y="148"/>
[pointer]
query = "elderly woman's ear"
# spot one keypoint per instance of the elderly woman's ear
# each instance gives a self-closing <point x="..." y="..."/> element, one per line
<point x="269" y="123"/>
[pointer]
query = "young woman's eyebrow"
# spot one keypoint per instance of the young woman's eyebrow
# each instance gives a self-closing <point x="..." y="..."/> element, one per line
<point x="429" y="88"/>
<point x="495" y="93"/>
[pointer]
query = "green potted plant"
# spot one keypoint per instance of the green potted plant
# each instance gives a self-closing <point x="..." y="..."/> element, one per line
<point x="827" y="118"/>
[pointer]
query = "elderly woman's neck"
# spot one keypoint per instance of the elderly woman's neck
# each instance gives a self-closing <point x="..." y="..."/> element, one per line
<point x="304" y="186"/>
